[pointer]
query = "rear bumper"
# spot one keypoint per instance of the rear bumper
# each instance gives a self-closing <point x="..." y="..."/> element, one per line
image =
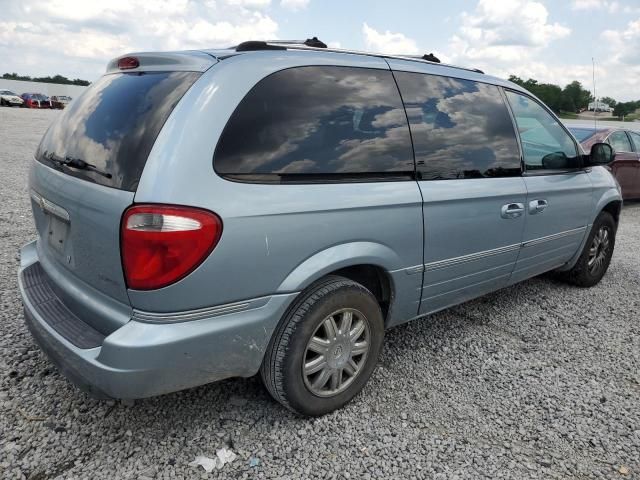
<point x="147" y="358"/>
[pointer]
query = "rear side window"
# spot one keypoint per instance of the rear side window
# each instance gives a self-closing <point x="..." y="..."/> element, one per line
<point x="636" y="140"/>
<point x="318" y="124"/>
<point x="620" y="142"/>
<point x="460" y="128"/>
<point x="113" y="126"/>
<point x="583" y="134"/>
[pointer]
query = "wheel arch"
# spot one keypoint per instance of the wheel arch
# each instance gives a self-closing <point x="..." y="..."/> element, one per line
<point x="610" y="201"/>
<point x="613" y="207"/>
<point x="370" y="264"/>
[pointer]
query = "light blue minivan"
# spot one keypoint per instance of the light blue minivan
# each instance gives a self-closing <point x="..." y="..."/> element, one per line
<point x="274" y="207"/>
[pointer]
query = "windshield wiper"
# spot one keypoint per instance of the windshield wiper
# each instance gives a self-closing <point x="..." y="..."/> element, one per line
<point x="76" y="163"/>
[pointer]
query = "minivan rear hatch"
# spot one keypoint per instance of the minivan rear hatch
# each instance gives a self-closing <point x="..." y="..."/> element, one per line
<point x="89" y="164"/>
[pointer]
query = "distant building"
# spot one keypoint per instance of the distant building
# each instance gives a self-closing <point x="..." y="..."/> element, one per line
<point x="599" y="107"/>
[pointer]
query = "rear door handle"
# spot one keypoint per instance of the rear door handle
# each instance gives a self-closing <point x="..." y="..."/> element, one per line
<point x="537" y="206"/>
<point x="512" y="210"/>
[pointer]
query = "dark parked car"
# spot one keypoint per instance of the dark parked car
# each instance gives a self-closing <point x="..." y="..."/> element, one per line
<point x="60" y="101"/>
<point x="36" y="100"/>
<point x="626" y="143"/>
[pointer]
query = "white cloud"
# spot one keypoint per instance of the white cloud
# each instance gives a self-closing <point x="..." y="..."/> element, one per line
<point x="77" y="37"/>
<point x="624" y="44"/>
<point x="516" y="38"/>
<point x="506" y="37"/>
<point x="250" y="3"/>
<point x="294" y="4"/>
<point x="622" y="64"/>
<point x="388" y="42"/>
<point x="610" y="5"/>
<point x="518" y="23"/>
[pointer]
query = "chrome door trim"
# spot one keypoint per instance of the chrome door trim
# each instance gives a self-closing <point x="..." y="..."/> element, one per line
<point x="414" y="270"/>
<point x="470" y="257"/>
<point x="555" y="236"/>
<point x="448" y="262"/>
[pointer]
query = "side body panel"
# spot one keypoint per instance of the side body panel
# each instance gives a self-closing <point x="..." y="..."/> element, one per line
<point x="553" y="236"/>
<point x="470" y="249"/>
<point x="276" y="238"/>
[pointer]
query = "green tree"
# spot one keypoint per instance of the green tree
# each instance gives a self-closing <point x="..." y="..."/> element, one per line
<point x="550" y="94"/>
<point x="575" y="96"/>
<point x="609" y="101"/>
<point x="60" y="79"/>
<point x="625" y="108"/>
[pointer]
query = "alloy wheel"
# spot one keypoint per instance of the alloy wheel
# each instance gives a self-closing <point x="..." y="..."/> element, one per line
<point x="336" y="352"/>
<point x="599" y="250"/>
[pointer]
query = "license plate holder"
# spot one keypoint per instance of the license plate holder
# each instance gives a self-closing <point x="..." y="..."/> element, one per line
<point x="57" y="233"/>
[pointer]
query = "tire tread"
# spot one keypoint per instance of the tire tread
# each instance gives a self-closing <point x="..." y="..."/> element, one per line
<point x="272" y="365"/>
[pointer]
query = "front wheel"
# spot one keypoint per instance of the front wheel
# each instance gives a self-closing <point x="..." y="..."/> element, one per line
<point x="596" y="255"/>
<point x="326" y="347"/>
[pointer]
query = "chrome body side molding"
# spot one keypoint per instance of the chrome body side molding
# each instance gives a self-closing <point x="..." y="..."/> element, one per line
<point x="199" y="314"/>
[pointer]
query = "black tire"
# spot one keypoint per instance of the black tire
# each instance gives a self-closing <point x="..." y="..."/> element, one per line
<point x="2" y="103"/>
<point x="584" y="274"/>
<point x="282" y="367"/>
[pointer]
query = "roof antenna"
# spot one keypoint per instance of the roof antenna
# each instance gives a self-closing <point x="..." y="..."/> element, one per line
<point x="595" y="99"/>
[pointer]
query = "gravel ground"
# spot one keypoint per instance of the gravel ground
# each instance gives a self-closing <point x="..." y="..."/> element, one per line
<point x="540" y="380"/>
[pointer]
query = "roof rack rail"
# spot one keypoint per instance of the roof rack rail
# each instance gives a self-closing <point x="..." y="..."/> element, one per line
<point x="430" y="57"/>
<point x="253" y="45"/>
<point x="313" y="43"/>
<point x="279" y="44"/>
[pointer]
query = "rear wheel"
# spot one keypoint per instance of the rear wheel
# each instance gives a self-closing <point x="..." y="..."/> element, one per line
<point x="326" y="347"/>
<point x="596" y="255"/>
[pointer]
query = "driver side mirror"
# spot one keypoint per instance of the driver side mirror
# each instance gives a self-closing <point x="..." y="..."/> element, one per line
<point x="601" y="154"/>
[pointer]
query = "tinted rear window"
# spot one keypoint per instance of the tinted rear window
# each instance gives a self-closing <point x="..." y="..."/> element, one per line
<point x="317" y="124"/>
<point x="582" y="134"/>
<point x="460" y="128"/>
<point x="114" y="124"/>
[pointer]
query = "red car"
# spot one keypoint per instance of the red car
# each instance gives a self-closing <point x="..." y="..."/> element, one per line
<point x="626" y="143"/>
<point x="36" y="100"/>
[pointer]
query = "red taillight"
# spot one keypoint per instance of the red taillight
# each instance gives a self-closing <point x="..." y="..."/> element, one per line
<point x="161" y="244"/>
<point x="125" y="63"/>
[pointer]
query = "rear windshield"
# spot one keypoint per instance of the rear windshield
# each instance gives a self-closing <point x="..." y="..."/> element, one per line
<point x="582" y="134"/>
<point x="113" y="125"/>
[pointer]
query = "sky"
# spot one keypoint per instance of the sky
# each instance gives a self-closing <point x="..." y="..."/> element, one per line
<point x="551" y="41"/>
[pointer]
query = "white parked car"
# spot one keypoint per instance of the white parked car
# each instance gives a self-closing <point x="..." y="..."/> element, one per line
<point x="10" y="99"/>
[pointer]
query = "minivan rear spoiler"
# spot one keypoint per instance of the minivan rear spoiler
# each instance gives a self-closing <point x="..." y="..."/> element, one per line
<point x="187" y="61"/>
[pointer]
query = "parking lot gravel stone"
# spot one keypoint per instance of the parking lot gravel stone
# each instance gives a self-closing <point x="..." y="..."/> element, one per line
<point x="539" y="380"/>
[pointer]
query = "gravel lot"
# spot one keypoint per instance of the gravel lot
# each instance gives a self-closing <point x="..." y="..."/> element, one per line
<point x="540" y="380"/>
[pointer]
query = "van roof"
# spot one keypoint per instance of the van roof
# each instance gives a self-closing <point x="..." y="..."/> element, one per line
<point x="203" y="59"/>
<point x="313" y="44"/>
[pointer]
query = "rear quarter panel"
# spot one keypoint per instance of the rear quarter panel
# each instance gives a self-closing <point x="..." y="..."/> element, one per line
<point x="276" y="238"/>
